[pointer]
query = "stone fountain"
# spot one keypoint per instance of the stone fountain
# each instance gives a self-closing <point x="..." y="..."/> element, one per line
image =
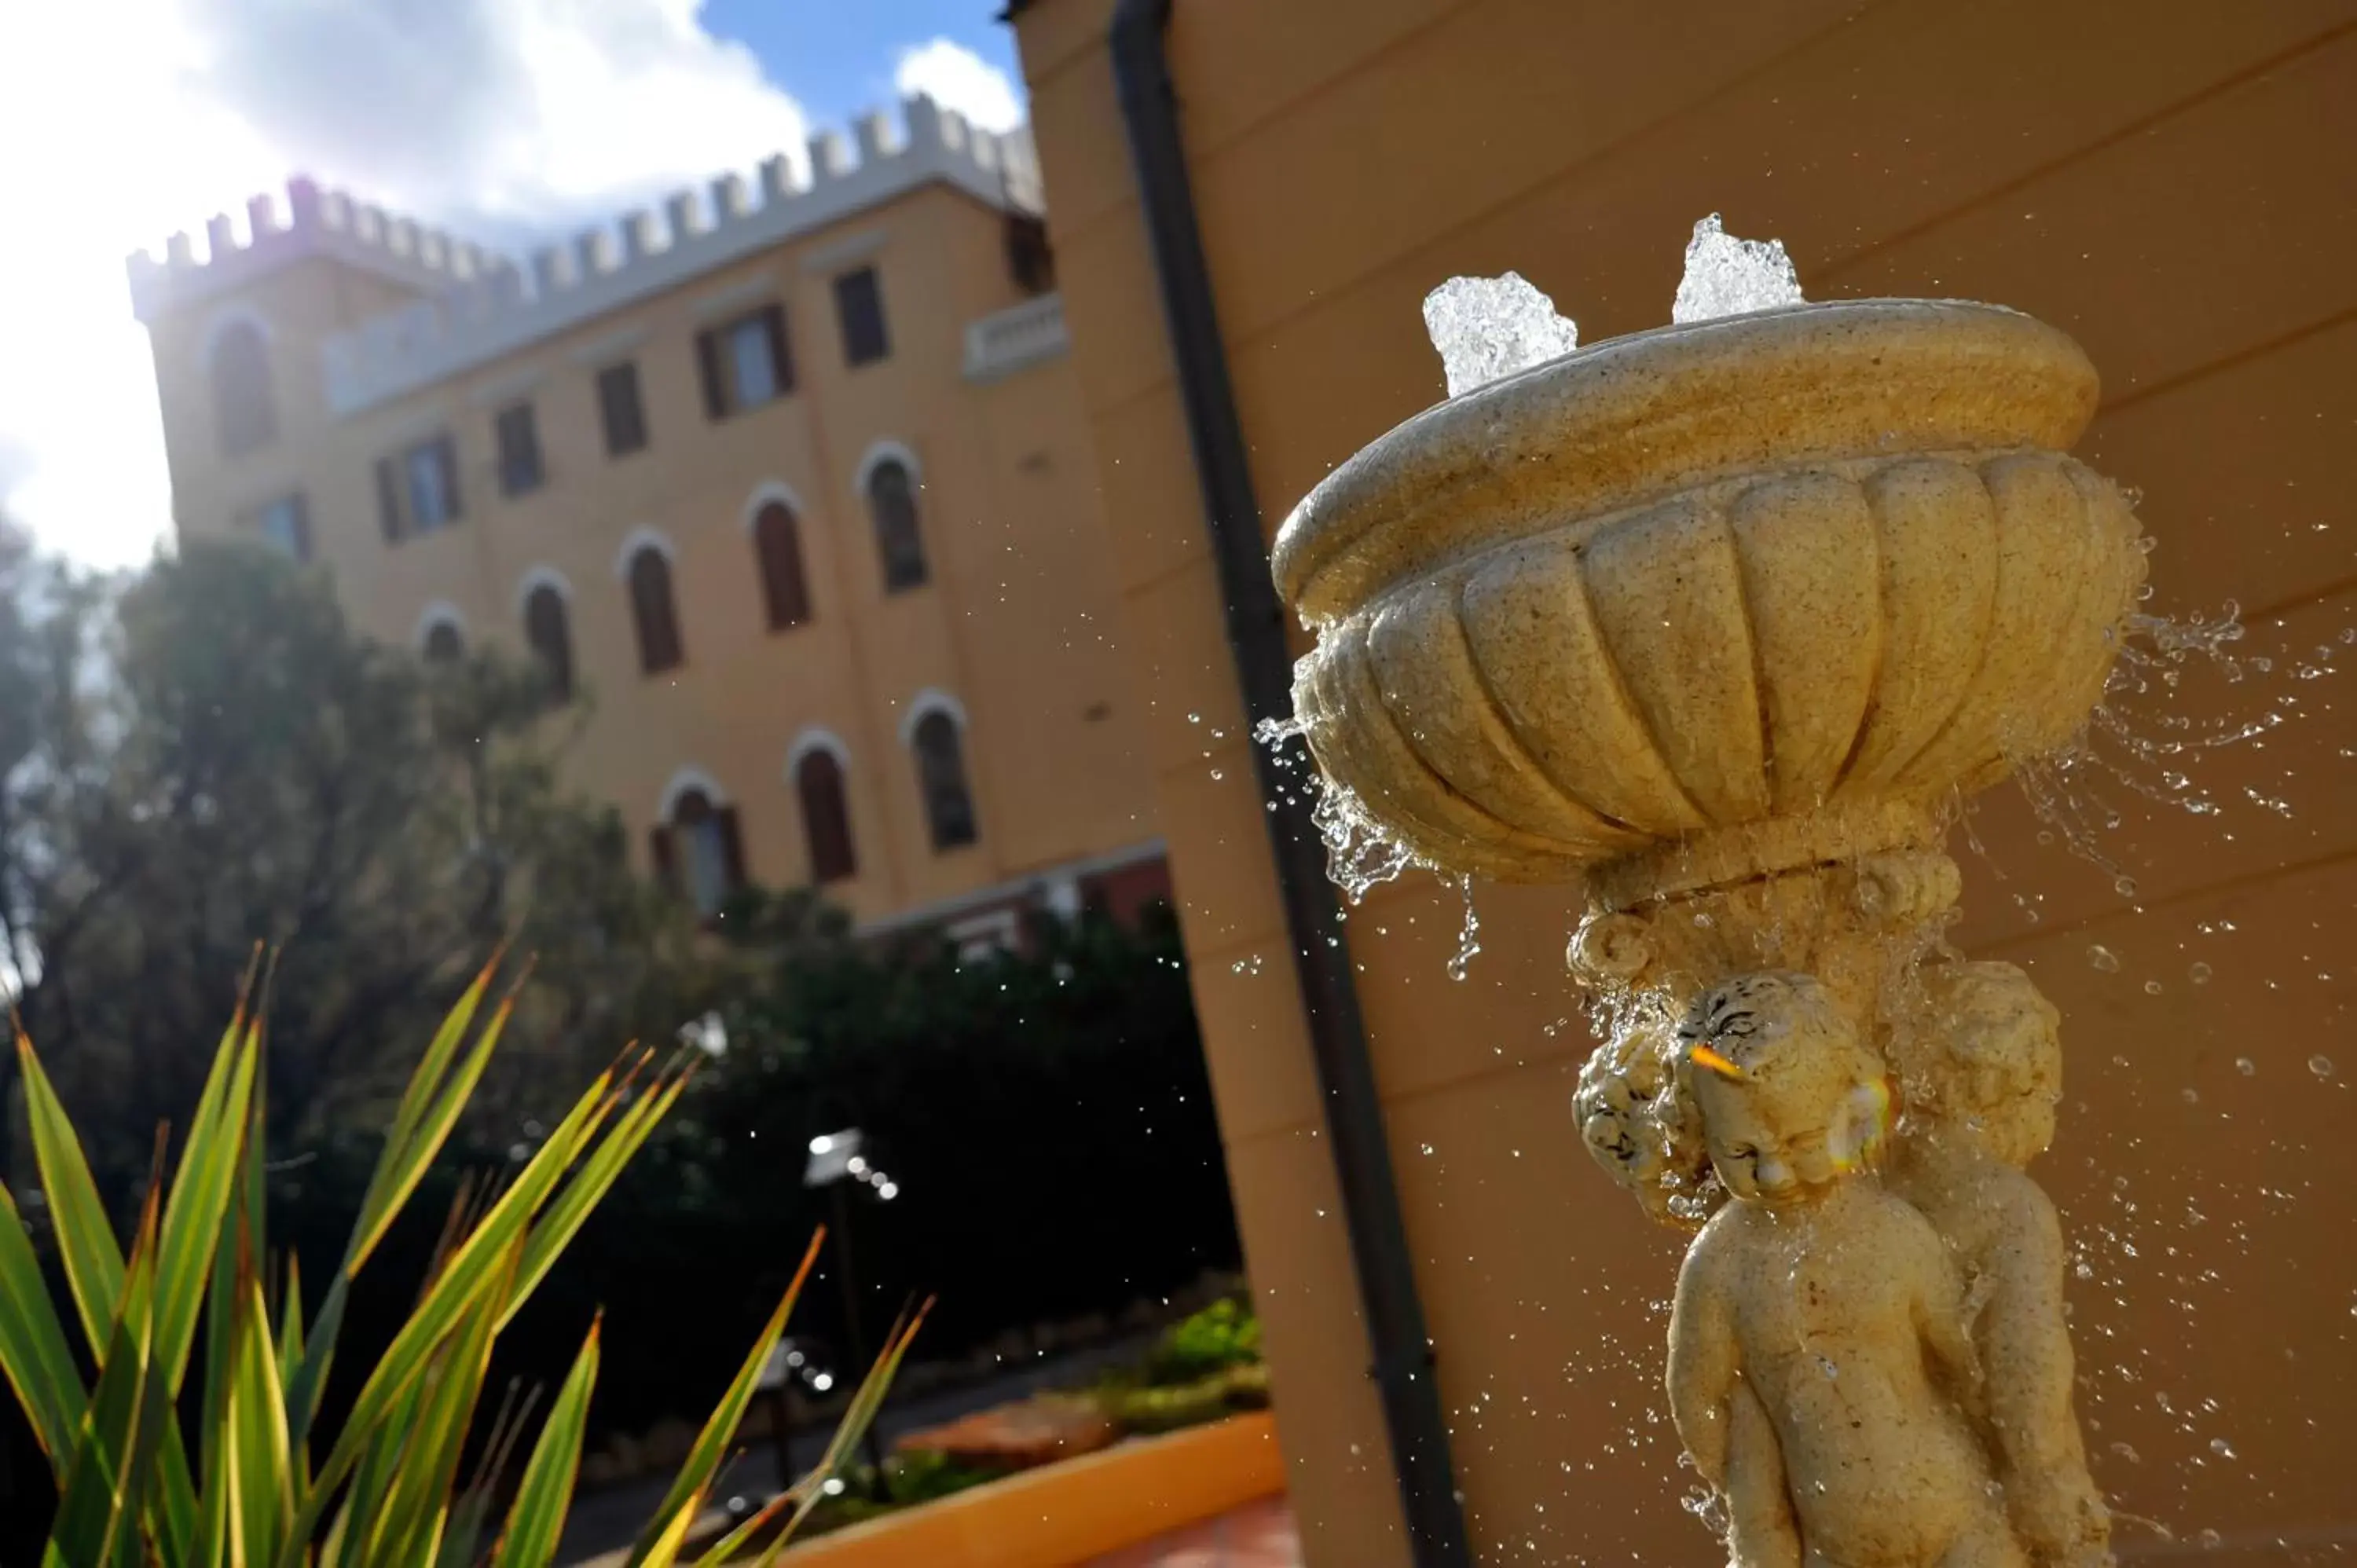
<point x="1722" y="622"/>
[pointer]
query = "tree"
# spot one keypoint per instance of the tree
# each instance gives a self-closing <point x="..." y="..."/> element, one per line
<point x="212" y="757"/>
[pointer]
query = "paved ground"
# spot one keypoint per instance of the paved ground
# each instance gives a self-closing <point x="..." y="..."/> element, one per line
<point x="1258" y="1535"/>
<point x="601" y="1521"/>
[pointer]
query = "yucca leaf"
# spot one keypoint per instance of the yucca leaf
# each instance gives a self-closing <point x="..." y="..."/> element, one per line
<point x="858" y="1417"/>
<point x="589" y="1185"/>
<point x="86" y="1244"/>
<point x="290" y="1321"/>
<point x="210" y="1165"/>
<point x="462" y="1541"/>
<point x="712" y="1444"/>
<point x="662" y="1549"/>
<point x="265" y="1486"/>
<point x="97" y="1518"/>
<point x="421" y="1121"/>
<point x="536" y="1518"/>
<point x="468" y="1274"/>
<point x="421" y="1497"/>
<point x="34" y="1354"/>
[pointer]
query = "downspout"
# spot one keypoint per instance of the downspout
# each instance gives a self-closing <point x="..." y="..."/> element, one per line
<point x="1402" y="1360"/>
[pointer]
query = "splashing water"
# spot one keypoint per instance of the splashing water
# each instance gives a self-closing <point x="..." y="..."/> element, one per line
<point x="1488" y="329"/>
<point x="1727" y="276"/>
<point x="2154" y="756"/>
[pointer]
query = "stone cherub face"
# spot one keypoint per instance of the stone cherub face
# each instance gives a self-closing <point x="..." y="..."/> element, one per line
<point x="1791" y="1100"/>
<point x="1987" y="1062"/>
<point x="1638" y="1125"/>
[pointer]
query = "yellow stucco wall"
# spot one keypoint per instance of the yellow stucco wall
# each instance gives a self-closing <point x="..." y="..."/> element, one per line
<point x="1014" y="623"/>
<point x="2176" y="184"/>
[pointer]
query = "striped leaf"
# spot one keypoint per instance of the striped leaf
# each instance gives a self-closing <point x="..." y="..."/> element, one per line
<point x="695" y="1477"/>
<point x="536" y="1518"/>
<point x="34" y="1355"/>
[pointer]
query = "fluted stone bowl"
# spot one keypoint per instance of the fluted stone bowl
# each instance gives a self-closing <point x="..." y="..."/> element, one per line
<point x="1715" y="600"/>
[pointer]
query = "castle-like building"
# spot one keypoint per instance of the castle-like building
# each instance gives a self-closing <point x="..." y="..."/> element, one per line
<point x="790" y="486"/>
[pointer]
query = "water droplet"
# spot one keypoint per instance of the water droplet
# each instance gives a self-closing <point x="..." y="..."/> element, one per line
<point x="2190" y="1096"/>
<point x="2152" y="988"/>
<point x="2208" y="1540"/>
<point x="1217" y="774"/>
<point x="2104" y="958"/>
<point x="2125" y="886"/>
<point x="2128" y="1453"/>
<point x="2222" y="1448"/>
<point x="2199" y="974"/>
<point x="2320" y="1065"/>
<point x="2246" y="1066"/>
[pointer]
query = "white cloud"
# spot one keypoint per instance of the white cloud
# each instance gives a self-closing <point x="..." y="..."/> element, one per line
<point x="127" y="118"/>
<point x="957" y="78"/>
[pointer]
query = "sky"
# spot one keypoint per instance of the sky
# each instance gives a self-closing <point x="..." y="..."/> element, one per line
<point x="122" y="121"/>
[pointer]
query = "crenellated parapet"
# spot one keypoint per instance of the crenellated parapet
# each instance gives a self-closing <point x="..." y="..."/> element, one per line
<point x="477" y="307"/>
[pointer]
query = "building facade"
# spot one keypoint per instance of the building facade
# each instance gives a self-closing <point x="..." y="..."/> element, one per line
<point x="789" y="486"/>
<point x="2166" y="182"/>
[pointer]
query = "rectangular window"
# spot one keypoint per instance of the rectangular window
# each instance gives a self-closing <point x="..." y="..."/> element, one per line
<point x="619" y="408"/>
<point x="1029" y="262"/>
<point x="518" y="435"/>
<point x="417" y="490"/>
<point x="285" y="525"/>
<point x="859" y="306"/>
<point x="744" y="364"/>
<point x="431" y="468"/>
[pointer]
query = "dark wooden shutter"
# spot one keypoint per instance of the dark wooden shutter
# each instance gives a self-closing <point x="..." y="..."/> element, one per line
<point x="388" y="500"/>
<point x="782" y="357"/>
<point x="776" y="546"/>
<point x="446" y="457"/>
<point x="708" y="373"/>
<point x="663" y="858"/>
<point x="732" y="847"/>
<point x="826" y="818"/>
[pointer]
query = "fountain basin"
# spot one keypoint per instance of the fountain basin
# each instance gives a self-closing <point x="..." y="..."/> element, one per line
<point x="1717" y="600"/>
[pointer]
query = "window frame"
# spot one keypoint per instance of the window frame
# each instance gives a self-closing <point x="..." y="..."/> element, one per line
<point x="858" y="351"/>
<point x="556" y="663"/>
<point x="662" y="647"/>
<point x="397" y="472"/>
<point x="715" y="362"/>
<point x="902" y="570"/>
<point x="833" y="855"/>
<point x="784" y="604"/>
<point x="622" y="410"/>
<point x="297" y="507"/>
<point x="946" y="832"/>
<point x="515" y="439"/>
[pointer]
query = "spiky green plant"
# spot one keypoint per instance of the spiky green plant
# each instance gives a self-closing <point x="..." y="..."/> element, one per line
<point x="385" y="1493"/>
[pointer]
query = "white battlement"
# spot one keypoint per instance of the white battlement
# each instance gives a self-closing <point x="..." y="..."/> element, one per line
<point x="316" y="222"/>
<point x="480" y="306"/>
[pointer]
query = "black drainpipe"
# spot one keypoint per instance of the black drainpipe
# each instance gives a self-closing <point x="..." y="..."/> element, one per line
<point x="1354" y="1116"/>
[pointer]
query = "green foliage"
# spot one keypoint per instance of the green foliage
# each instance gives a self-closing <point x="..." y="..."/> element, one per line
<point x="922" y="1474"/>
<point x="384" y="1488"/>
<point x="1223" y="1335"/>
<point x="210" y="755"/>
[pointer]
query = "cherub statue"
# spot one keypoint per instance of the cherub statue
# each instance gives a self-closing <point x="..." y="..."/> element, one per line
<point x="1982" y="1071"/>
<point x="1636" y="1121"/>
<point x="1827" y="1299"/>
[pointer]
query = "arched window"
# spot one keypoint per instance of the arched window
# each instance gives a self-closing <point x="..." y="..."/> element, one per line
<point x="827" y="815"/>
<point x="698" y="850"/>
<point x="653" y="611"/>
<point x="445" y="643"/>
<point x="778" y="545"/>
<point x="245" y="411"/>
<point x="892" y="503"/>
<point x="940" y="775"/>
<point x="549" y="632"/>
